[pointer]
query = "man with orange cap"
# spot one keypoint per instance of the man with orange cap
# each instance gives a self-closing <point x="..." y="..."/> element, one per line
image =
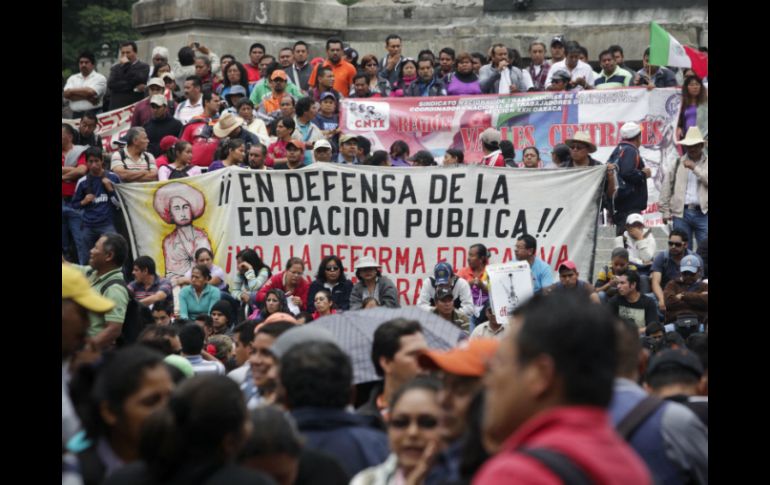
<point x="461" y="370"/>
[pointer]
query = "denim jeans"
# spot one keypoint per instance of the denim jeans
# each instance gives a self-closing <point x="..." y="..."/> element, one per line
<point x="72" y="231"/>
<point x="91" y="234"/>
<point x="693" y="220"/>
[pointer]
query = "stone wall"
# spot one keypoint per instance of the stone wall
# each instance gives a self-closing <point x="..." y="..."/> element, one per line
<point x="231" y="26"/>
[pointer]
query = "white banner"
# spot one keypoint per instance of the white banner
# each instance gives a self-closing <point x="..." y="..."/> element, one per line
<point x="110" y="125"/>
<point x="408" y="219"/>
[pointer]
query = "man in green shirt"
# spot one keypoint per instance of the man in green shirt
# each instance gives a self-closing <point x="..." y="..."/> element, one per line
<point x="264" y="87"/>
<point x="611" y="75"/>
<point x="105" y="265"/>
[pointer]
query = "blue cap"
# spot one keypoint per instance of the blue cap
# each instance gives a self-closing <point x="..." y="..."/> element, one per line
<point x="690" y="263"/>
<point x="442" y="272"/>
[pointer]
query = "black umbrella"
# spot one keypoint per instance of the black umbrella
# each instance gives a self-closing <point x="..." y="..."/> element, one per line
<point x="354" y="333"/>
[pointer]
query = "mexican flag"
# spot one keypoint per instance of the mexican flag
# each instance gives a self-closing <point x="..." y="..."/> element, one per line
<point x="667" y="51"/>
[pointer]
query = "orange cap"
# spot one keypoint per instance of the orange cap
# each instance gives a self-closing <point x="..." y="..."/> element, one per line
<point x="467" y="359"/>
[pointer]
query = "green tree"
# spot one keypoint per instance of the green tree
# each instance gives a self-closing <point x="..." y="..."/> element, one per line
<point x="87" y="24"/>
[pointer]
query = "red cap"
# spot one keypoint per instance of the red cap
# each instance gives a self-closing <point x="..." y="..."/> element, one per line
<point x="297" y="143"/>
<point x="569" y="265"/>
<point x="468" y="359"/>
<point x="167" y="142"/>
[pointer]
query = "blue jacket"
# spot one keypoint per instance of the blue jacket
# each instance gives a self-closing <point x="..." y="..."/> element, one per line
<point x="102" y="209"/>
<point x="343" y="435"/>
<point x="340" y="294"/>
<point x="673" y="442"/>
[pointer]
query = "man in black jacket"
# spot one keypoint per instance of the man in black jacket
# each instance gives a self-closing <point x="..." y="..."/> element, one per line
<point x="127" y="78"/>
<point x="161" y="124"/>
<point x="631" y="195"/>
<point x="426" y="84"/>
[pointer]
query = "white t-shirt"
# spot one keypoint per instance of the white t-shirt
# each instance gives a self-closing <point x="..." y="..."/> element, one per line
<point x="95" y="81"/>
<point x="581" y="70"/>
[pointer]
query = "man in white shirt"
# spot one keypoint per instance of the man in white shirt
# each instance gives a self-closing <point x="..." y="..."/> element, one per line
<point x="134" y="163"/>
<point x="582" y="74"/>
<point x="193" y="105"/>
<point x="86" y="89"/>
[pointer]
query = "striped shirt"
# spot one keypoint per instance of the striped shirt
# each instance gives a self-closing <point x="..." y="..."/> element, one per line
<point x="618" y="79"/>
<point x="203" y="367"/>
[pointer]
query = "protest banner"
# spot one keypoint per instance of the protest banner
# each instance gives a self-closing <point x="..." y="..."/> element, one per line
<point x="541" y="119"/>
<point x="110" y="125"/>
<point x="406" y="219"/>
<point x="510" y="285"/>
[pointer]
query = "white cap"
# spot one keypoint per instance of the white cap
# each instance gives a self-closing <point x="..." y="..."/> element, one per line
<point x="630" y="130"/>
<point x="322" y="143"/>
<point x="634" y="219"/>
<point x="158" y="99"/>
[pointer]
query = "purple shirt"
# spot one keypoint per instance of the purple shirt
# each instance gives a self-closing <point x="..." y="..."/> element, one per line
<point x="690" y="117"/>
<point x="399" y="162"/>
<point x="459" y="88"/>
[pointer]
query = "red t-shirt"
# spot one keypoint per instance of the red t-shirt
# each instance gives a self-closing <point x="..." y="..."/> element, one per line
<point x="203" y="148"/>
<point x="68" y="188"/>
<point x="253" y="73"/>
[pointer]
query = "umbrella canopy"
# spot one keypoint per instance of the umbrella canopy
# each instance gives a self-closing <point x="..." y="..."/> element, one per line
<point x="354" y="333"/>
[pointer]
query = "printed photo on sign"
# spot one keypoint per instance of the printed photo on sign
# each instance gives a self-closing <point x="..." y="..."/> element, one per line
<point x="510" y="285"/>
<point x="364" y="115"/>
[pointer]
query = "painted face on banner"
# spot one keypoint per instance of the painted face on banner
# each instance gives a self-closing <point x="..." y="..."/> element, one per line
<point x="181" y="213"/>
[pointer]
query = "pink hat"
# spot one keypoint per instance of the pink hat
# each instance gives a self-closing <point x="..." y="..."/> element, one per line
<point x="162" y="200"/>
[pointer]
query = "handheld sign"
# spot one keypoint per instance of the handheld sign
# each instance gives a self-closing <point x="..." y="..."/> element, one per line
<point x="510" y="285"/>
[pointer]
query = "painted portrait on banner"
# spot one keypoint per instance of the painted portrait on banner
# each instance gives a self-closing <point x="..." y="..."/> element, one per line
<point x="181" y="204"/>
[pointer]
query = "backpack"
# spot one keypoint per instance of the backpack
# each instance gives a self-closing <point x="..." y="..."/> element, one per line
<point x="178" y="174"/>
<point x="624" y="189"/>
<point x="137" y="316"/>
<point x="457" y="302"/>
<point x="559" y="464"/>
<point x="123" y="158"/>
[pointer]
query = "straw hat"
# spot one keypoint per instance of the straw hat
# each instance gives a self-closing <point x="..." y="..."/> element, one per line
<point x="693" y="137"/>
<point x="582" y="137"/>
<point x="227" y="124"/>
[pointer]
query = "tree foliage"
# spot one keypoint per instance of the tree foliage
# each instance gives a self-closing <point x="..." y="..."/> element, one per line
<point x="87" y="24"/>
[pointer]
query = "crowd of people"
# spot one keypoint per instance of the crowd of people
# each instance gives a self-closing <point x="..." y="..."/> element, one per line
<point x="198" y="377"/>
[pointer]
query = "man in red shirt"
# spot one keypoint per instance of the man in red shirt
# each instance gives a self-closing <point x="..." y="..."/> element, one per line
<point x="200" y="131"/>
<point x="256" y="51"/>
<point x="344" y="72"/>
<point x="547" y="393"/>
<point x="73" y="166"/>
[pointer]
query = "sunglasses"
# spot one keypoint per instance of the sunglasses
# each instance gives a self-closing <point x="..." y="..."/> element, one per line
<point x="675" y="244"/>
<point x="578" y="147"/>
<point x="424" y="421"/>
<point x="332" y="268"/>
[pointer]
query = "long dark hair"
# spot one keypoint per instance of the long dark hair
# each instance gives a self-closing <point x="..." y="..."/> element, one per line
<point x="250" y="256"/>
<point x="281" y="299"/>
<point x="321" y="275"/>
<point x="244" y="76"/>
<point x="687" y="99"/>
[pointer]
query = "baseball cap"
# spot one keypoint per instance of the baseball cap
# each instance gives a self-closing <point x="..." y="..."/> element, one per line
<point x="156" y="81"/>
<point x="167" y="142"/>
<point x="237" y="89"/>
<point x="491" y="135"/>
<point x="180" y="363"/>
<point x="158" y="99"/>
<point x="167" y="75"/>
<point x="561" y="74"/>
<point x="442" y="272"/>
<point x="467" y="359"/>
<point x="558" y="39"/>
<point x="328" y="94"/>
<point x="443" y="292"/>
<point x="322" y="143"/>
<point x="690" y="263"/>
<point x="681" y="358"/>
<point x="630" y="130"/>
<point x="295" y="143"/>
<point x="279" y="74"/>
<point x="75" y="286"/>
<point x="634" y="219"/>
<point x="569" y="265"/>
<point x="347" y="137"/>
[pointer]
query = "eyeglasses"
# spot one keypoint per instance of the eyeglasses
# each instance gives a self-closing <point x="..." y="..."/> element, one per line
<point x="332" y="268"/>
<point x="424" y="421"/>
<point x="675" y="244"/>
<point x="578" y="147"/>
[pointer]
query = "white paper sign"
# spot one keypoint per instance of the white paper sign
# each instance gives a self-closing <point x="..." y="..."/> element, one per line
<point x="510" y="285"/>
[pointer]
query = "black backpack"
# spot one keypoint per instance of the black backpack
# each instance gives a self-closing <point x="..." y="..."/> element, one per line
<point x="178" y="174"/>
<point x="137" y="316"/>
